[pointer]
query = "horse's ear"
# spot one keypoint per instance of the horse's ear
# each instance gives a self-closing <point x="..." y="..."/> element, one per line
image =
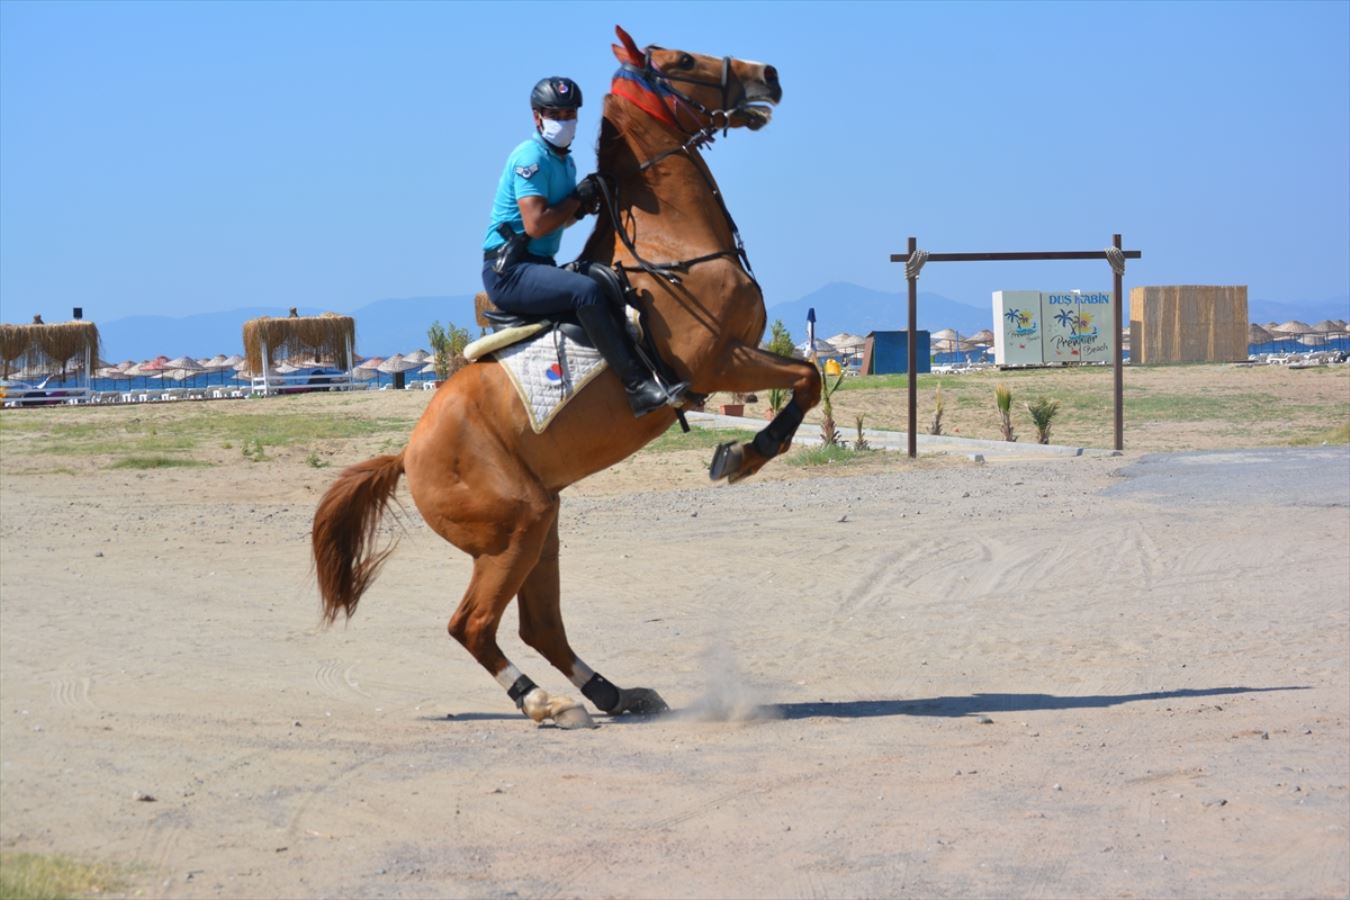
<point x="629" y="52"/>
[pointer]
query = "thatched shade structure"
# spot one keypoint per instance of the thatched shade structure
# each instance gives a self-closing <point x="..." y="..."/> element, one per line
<point x="849" y="343"/>
<point x="183" y="364"/>
<point x="1258" y="335"/>
<point x="1293" y="326"/>
<point x="397" y="363"/>
<point x="947" y="340"/>
<point x="48" y="348"/>
<point x="328" y="337"/>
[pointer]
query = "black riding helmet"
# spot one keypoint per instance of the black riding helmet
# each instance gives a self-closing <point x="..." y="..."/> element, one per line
<point x="556" y="92"/>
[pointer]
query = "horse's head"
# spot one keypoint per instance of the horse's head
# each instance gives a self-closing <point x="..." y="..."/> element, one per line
<point x="721" y="92"/>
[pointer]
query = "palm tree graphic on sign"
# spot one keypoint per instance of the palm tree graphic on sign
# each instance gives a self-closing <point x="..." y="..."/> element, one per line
<point x="1013" y="315"/>
<point x="1064" y="317"/>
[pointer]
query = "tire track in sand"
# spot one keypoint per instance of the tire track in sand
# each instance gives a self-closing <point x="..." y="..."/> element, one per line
<point x="338" y="679"/>
<point x="72" y="692"/>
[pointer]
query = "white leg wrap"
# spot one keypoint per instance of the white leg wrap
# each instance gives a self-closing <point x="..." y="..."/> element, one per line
<point x="507" y="677"/>
<point x="581" y="673"/>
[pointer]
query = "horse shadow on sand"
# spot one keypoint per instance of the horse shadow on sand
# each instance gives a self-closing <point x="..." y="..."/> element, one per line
<point x="946" y="707"/>
<point x="977" y="704"/>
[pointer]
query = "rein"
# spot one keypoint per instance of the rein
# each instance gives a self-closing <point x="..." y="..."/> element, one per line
<point x="636" y="85"/>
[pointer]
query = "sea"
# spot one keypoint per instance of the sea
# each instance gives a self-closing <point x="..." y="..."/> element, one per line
<point x="227" y="378"/>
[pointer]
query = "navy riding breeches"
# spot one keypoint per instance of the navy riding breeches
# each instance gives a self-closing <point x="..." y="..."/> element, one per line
<point x="539" y="288"/>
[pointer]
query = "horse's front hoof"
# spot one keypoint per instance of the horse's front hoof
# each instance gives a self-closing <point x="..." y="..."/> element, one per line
<point x="639" y="702"/>
<point x="574" y="717"/>
<point x="727" y="459"/>
<point x="736" y="462"/>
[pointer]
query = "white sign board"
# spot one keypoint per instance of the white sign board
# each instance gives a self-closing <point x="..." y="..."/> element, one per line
<point x="1032" y="328"/>
<point x="1018" y="328"/>
<point x="1078" y="326"/>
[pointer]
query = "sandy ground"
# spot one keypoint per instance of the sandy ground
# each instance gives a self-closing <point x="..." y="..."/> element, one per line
<point x="1071" y="677"/>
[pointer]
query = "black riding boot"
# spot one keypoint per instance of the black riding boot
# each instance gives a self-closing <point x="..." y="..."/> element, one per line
<point x="644" y="394"/>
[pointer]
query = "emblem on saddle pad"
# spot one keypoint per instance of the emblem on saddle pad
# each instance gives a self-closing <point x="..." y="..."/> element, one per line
<point x="547" y="372"/>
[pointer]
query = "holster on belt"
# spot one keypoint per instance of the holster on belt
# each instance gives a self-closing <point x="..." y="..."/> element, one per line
<point x="511" y="252"/>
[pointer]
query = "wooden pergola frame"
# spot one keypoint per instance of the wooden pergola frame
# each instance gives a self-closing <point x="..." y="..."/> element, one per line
<point x="912" y="276"/>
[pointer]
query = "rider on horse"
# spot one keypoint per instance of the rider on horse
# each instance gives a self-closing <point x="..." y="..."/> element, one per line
<point x="537" y="197"/>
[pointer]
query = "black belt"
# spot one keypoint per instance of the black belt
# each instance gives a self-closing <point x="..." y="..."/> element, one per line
<point x="542" y="260"/>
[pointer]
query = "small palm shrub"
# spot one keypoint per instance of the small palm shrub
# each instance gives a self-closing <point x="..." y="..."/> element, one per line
<point x="1003" y="397"/>
<point x="936" y="427"/>
<point x="1042" y="411"/>
<point x="829" y="435"/>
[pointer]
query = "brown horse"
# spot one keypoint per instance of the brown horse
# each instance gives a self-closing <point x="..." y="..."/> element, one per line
<point x="479" y="474"/>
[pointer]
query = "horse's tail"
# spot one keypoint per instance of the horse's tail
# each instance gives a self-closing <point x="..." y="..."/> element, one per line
<point x="345" y="560"/>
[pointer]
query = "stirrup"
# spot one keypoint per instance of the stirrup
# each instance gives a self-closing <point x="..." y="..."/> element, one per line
<point x="648" y="396"/>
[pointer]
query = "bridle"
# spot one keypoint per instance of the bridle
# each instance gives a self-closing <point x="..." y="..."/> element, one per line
<point x="656" y="81"/>
<point x="652" y="72"/>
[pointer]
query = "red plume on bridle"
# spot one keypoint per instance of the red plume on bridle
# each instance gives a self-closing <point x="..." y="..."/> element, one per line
<point x="631" y="84"/>
<point x="629" y="52"/>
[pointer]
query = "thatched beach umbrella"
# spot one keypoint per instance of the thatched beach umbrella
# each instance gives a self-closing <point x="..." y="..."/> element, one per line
<point x="418" y="356"/>
<point x="847" y="342"/>
<point x="112" y="373"/>
<point x="328" y="337"/>
<point x="49" y="348"/>
<point x="144" y="371"/>
<point x="1326" y="325"/>
<point x="947" y="340"/>
<point x="1293" y="326"/>
<point x="1257" y="335"/>
<point x="368" y="368"/>
<point x="185" y="364"/>
<point x="981" y="337"/>
<point x="397" y="363"/>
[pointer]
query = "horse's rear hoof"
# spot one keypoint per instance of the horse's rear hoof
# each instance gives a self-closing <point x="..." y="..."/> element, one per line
<point x="574" y="717"/>
<point x="640" y="701"/>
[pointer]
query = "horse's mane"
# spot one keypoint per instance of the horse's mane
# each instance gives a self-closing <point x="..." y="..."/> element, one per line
<point x="600" y="245"/>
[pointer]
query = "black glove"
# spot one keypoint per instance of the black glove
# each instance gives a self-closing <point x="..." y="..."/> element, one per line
<point x="589" y="195"/>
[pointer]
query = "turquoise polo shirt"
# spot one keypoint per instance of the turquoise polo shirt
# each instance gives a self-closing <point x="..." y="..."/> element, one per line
<point x="532" y="170"/>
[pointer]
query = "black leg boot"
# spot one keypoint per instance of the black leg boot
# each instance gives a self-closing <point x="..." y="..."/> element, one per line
<point x="644" y="394"/>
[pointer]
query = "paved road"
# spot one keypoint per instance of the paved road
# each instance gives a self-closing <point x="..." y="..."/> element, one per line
<point x="1298" y="477"/>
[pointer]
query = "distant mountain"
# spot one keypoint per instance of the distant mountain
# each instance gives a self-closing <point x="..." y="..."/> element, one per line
<point x="1260" y="312"/>
<point x="382" y="328"/>
<point x="841" y="306"/>
<point x="203" y="334"/>
<point x="399" y="325"/>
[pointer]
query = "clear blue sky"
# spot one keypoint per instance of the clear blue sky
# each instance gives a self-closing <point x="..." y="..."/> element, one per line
<point x="171" y="158"/>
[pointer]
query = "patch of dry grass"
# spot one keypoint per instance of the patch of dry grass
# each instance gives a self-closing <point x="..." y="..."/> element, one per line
<point x="33" y="876"/>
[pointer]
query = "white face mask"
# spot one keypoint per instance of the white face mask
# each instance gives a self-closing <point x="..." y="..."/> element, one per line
<point x="558" y="133"/>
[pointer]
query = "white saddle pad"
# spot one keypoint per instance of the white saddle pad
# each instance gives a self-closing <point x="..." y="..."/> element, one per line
<point x="547" y="372"/>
